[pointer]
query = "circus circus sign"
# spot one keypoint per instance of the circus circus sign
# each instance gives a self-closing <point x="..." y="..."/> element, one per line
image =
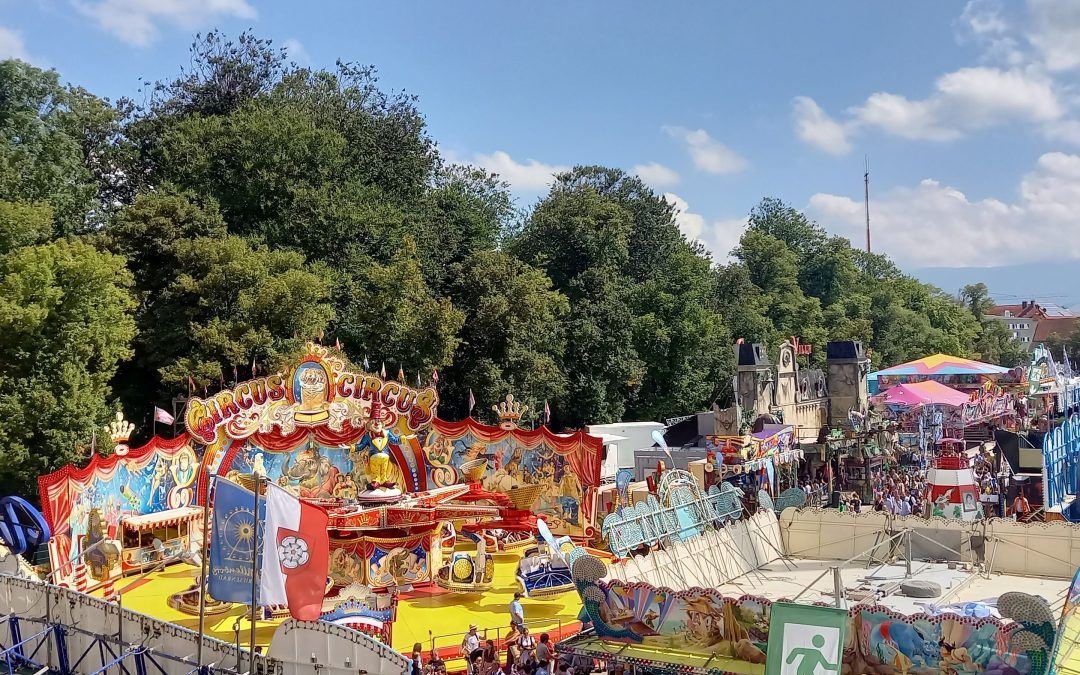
<point x="318" y="391"/>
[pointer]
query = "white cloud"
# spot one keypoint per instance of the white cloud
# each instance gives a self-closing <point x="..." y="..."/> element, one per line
<point x="530" y="175"/>
<point x="931" y="224"/>
<point x="1017" y="84"/>
<point x="708" y="154"/>
<point x="12" y="45"/>
<point x="136" y="22"/>
<point x="900" y="116"/>
<point x="1055" y="33"/>
<point x="719" y="237"/>
<point x="981" y="22"/>
<point x="988" y="94"/>
<point x="296" y="51"/>
<point x="814" y="126"/>
<point x="656" y="174"/>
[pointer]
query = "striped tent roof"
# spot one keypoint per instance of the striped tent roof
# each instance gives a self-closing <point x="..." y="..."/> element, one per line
<point x="941" y="364"/>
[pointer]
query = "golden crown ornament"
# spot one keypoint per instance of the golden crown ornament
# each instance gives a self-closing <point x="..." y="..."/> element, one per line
<point x="509" y="412"/>
<point x="120" y="431"/>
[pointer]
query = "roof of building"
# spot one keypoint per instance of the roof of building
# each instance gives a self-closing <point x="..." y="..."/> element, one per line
<point x="1029" y="309"/>
<point x="1062" y="326"/>
<point x="1016" y="311"/>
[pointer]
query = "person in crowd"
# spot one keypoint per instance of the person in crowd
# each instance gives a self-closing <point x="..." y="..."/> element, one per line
<point x="527" y="644"/>
<point x="489" y="664"/>
<point x="470" y="644"/>
<point x="1021" y="507"/>
<point x="517" y="612"/>
<point x="512" y="649"/>
<point x="543" y="649"/>
<point x="416" y="664"/>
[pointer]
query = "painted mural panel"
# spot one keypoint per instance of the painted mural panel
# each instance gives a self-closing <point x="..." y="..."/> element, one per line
<point x="85" y="506"/>
<point x="380" y="562"/>
<point x="553" y="476"/>
<point x="880" y="641"/>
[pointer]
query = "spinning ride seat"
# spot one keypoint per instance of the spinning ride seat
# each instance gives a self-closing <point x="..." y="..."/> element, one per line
<point x="544" y="570"/>
<point x="467" y="573"/>
<point x="188" y="602"/>
<point x="508" y="541"/>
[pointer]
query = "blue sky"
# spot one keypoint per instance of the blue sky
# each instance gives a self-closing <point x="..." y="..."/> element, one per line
<point x="969" y="111"/>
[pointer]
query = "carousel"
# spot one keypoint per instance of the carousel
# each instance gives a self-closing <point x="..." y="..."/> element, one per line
<point x="416" y="505"/>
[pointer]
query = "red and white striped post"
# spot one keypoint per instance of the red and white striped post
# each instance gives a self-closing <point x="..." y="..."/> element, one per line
<point x="80" y="577"/>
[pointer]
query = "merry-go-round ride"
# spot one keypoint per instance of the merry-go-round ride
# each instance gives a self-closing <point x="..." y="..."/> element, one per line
<point x="394" y="480"/>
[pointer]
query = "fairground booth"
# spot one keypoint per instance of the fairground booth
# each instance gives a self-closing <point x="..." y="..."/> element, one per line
<point x="419" y="507"/>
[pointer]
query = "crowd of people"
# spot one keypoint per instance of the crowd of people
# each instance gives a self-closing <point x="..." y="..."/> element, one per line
<point x="520" y="653"/>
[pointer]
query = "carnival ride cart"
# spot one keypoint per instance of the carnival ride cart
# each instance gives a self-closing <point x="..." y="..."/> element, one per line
<point x="141" y="535"/>
<point x="397" y="545"/>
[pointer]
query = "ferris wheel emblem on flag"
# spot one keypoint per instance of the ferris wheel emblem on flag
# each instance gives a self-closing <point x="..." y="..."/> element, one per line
<point x="293" y="552"/>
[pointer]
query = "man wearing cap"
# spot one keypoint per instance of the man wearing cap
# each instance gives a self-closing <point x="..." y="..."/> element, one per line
<point x="517" y="612"/>
<point x="469" y="644"/>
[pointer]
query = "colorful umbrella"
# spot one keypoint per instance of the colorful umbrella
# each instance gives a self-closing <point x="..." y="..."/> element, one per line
<point x="941" y="364"/>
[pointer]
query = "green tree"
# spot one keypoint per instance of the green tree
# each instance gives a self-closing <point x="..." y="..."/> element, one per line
<point x="390" y="315"/>
<point x="65" y="323"/>
<point x="23" y="224"/>
<point x="976" y="297"/>
<point x="56" y="145"/>
<point x="580" y="239"/>
<point x="466" y="212"/>
<point x="512" y="339"/>
<point x="994" y="343"/>
<point x="233" y="303"/>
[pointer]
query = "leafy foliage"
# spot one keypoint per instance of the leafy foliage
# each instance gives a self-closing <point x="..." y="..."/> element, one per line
<point x="65" y="323"/>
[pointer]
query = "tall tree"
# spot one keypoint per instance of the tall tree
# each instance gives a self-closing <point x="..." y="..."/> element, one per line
<point x="56" y="145"/>
<point x="512" y="340"/>
<point x="580" y="239"/>
<point x="390" y="314"/>
<point x="65" y="323"/>
<point x="232" y="303"/>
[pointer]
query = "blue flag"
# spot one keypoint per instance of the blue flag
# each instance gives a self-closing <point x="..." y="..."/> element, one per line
<point x="233" y="545"/>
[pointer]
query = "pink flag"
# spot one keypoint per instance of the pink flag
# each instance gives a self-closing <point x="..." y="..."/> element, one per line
<point x="547" y="412"/>
<point x="435" y="376"/>
<point x="162" y="416"/>
<point x="472" y="402"/>
<point x="296" y="555"/>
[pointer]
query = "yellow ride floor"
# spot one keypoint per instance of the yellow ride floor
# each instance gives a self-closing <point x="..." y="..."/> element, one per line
<point x="422" y="616"/>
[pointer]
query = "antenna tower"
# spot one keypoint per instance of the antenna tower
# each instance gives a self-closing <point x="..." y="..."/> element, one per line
<point x="866" y="198"/>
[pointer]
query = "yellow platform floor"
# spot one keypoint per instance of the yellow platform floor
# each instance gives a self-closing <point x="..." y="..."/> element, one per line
<point x="422" y="616"/>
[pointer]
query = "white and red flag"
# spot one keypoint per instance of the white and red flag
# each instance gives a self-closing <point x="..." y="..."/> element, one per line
<point x="296" y="555"/>
<point x="162" y="416"/>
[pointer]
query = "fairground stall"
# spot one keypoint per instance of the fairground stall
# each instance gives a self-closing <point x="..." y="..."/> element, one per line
<point x="766" y="459"/>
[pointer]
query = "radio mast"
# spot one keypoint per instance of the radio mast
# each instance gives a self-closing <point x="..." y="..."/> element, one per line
<point x="866" y="197"/>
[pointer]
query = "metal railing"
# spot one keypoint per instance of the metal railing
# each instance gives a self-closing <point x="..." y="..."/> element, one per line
<point x="448" y="646"/>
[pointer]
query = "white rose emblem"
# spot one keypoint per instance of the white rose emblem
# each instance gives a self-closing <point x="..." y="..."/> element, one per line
<point x="292" y="552"/>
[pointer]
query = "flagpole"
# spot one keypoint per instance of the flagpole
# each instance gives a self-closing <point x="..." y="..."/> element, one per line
<point x="203" y="580"/>
<point x="255" y="570"/>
